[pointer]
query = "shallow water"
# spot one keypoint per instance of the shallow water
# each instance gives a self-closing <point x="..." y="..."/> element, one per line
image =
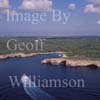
<point x="33" y="66"/>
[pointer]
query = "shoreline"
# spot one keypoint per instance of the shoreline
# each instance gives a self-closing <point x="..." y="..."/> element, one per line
<point x="24" y="55"/>
<point x="55" y="61"/>
<point x="72" y="62"/>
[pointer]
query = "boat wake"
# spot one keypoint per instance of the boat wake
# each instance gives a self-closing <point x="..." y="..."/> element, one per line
<point x="33" y="91"/>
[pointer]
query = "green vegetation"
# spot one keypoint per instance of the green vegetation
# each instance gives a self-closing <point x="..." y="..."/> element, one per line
<point x="77" y="47"/>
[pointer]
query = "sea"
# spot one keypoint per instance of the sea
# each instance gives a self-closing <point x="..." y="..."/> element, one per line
<point x="32" y="66"/>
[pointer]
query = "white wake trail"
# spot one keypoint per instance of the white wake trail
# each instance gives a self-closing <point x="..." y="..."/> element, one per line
<point x="33" y="91"/>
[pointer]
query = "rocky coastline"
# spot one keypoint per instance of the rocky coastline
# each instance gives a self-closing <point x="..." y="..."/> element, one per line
<point x="55" y="61"/>
<point x="71" y="62"/>
<point x="23" y="55"/>
<point x="16" y="55"/>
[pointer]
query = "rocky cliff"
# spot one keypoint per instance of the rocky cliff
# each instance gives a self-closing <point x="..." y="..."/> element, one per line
<point x="71" y="62"/>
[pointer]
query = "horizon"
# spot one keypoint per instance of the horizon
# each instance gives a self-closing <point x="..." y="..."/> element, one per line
<point x="52" y="36"/>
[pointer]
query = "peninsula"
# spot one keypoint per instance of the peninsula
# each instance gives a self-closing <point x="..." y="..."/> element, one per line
<point x="71" y="62"/>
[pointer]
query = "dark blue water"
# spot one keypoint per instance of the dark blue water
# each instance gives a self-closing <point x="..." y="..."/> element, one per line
<point x="33" y="66"/>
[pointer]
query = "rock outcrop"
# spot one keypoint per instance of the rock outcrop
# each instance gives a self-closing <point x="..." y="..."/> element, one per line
<point x="71" y="62"/>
